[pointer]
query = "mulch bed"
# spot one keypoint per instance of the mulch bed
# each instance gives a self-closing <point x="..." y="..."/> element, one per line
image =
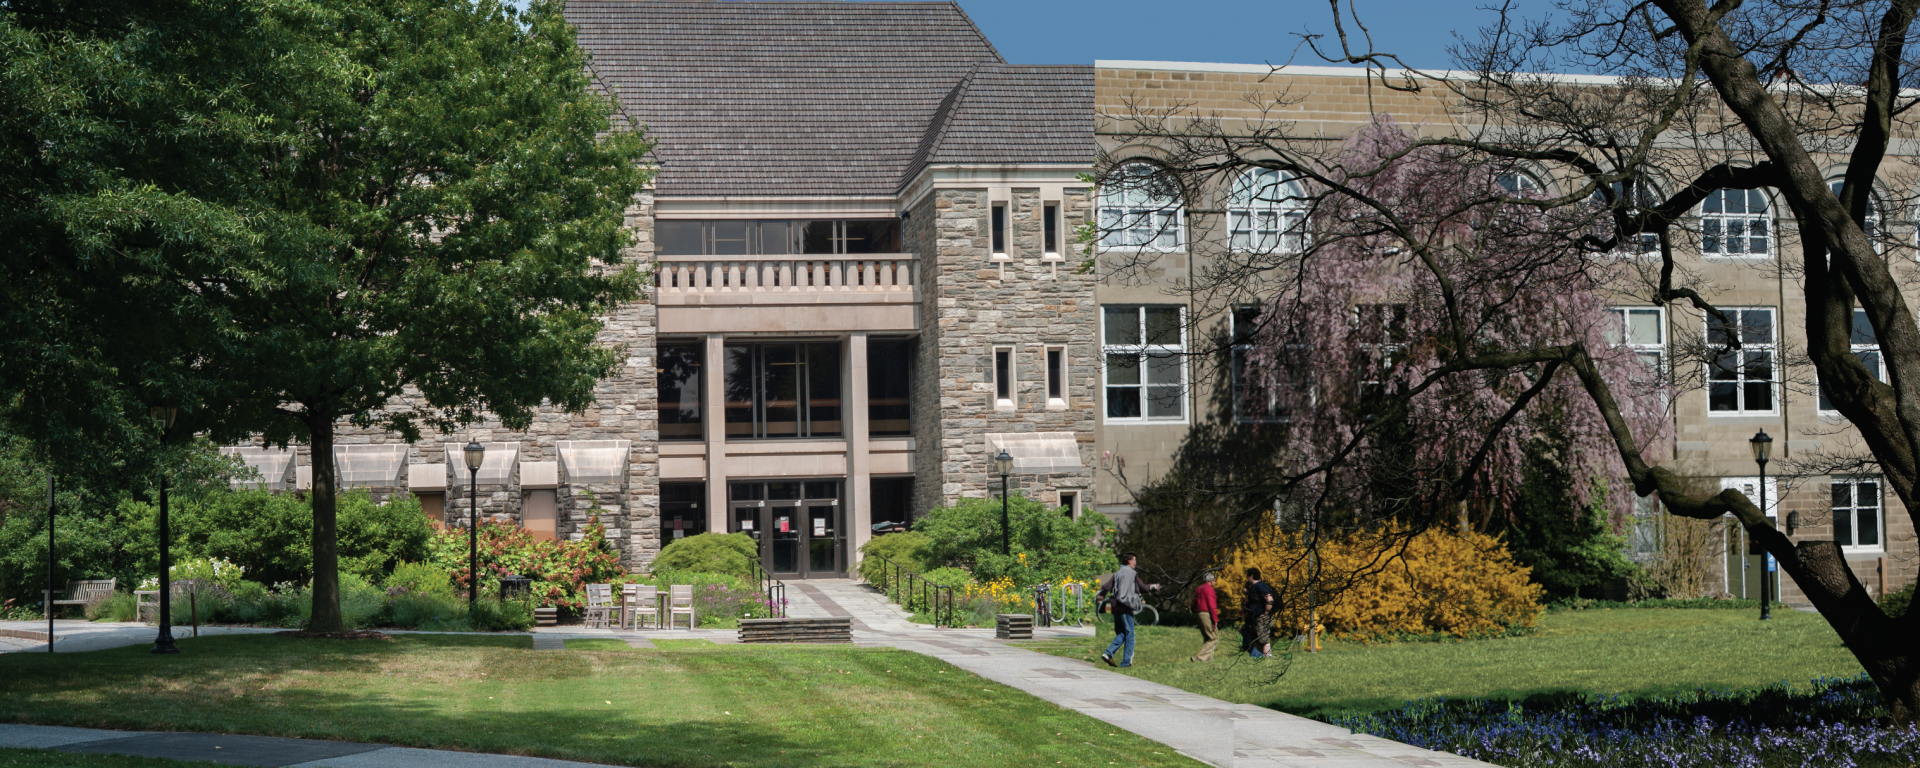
<point x="351" y="634"/>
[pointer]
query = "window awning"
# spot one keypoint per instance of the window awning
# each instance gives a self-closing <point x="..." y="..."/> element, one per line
<point x="496" y="467"/>
<point x="370" y="466"/>
<point x="275" y="466"/>
<point x="1037" y="452"/>
<point x="594" y="461"/>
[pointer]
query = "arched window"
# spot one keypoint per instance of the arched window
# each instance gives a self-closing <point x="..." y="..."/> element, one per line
<point x="1140" y="208"/>
<point x="1266" y="212"/>
<point x="1736" y="222"/>
<point x="1873" y="212"/>
<point x="1519" y="184"/>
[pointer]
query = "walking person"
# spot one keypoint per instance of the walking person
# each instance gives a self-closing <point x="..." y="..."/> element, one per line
<point x="1256" y="617"/>
<point x="1122" y="595"/>
<point x="1207" y="605"/>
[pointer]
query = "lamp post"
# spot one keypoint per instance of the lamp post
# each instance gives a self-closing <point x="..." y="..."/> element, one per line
<point x="475" y="454"/>
<point x="1762" y="450"/>
<point x="163" y="643"/>
<point x="1004" y="463"/>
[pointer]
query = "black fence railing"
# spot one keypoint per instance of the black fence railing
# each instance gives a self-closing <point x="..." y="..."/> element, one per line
<point x="774" y="589"/>
<point x="914" y="593"/>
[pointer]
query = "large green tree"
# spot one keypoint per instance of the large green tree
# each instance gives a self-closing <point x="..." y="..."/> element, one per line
<point x="282" y="215"/>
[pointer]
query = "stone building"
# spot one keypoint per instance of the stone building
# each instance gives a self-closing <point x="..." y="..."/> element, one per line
<point x="861" y="233"/>
<point x="1712" y="430"/>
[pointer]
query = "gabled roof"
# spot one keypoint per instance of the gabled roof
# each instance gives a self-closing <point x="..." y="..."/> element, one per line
<point x="759" y="98"/>
<point x="1005" y="113"/>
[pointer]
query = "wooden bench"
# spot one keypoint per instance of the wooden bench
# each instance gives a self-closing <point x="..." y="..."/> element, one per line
<point x="85" y="593"/>
<point x="838" y="630"/>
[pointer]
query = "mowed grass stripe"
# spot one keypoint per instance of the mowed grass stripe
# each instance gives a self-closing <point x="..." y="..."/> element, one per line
<point x="690" y="705"/>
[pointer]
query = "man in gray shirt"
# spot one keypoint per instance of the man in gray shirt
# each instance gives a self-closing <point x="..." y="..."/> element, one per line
<point x="1122" y="595"/>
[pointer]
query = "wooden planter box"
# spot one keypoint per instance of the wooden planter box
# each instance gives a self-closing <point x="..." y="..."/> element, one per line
<point x="796" y="630"/>
<point x="1013" y="626"/>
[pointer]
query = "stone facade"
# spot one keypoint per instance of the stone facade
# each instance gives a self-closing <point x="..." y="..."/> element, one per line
<point x="974" y="303"/>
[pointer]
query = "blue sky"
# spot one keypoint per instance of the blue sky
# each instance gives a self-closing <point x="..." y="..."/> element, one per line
<point x="1221" y="31"/>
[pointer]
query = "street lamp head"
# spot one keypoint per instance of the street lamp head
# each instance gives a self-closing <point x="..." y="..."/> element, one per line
<point x="164" y="414"/>
<point x="1003" y="462"/>
<point x="476" y="453"/>
<point x="1762" y="446"/>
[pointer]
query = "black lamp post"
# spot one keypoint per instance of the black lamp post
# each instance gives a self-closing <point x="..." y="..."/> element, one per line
<point x="163" y="643"/>
<point x="1004" y="463"/>
<point x="476" y="453"/>
<point x="1762" y="450"/>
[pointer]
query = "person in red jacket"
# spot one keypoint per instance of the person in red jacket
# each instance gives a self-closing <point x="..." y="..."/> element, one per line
<point x="1208" y="606"/>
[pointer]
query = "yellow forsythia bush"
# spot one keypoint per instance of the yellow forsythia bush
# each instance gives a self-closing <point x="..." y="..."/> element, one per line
<point x="1377" y="584"/>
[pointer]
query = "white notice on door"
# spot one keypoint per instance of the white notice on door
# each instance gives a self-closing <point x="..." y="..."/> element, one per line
<point x="819" y="526"/>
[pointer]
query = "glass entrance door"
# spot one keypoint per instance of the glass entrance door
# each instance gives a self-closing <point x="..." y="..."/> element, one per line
<point x="798" y="526"/>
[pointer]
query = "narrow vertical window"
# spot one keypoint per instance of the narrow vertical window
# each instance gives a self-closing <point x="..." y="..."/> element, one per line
<point x="1003" y="377"/>
<point x="1057" y="374"/>
<point x="1000" y="230"/>
<point x="1052" y="228"/>
<point x="1070" y="504"/>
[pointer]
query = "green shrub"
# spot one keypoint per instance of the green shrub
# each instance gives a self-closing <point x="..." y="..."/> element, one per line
<point x="421" y="579"/>
<point x="730" y="553"/>
<point x="1046" y="545"/>
<point x="270" y="535"/>
<point x="948" y="577"/>
<point x="253" y="603"/>
<point x="500" y="616"/>
<point x="120" y="607"/>
<point x="1895" y="603"/>
<point x="420" y="611"/>
<point x="717" y="597"/>
<point x="906" y="549"/>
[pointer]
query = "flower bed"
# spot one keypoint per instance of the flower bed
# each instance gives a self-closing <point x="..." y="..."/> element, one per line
<point x="1836" y="722"/>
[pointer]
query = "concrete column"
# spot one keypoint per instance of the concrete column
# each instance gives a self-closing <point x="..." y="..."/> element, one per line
<point x="859" y="470"/>
<point x="713" y="412"/>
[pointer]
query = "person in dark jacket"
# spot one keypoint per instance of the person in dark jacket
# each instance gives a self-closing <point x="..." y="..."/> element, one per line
<point x="1123" y="594"/>
<point x="1256" y="617"/>
<point x="1207" y="605"/>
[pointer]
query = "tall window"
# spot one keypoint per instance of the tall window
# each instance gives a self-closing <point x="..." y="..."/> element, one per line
<point x="1639" y="196"/>
<point x="1056" y="376"/>
<point x="1741" y="380"/>
<point x="890" y="387"/>
<point x="1856" y="513"/>
<point x="783" y="390"/>
<point x="1051" y="212"/>
<point x="679" y="388"/>
<point x="1872" y="227"/>
<point x="1266" y="212"/>
<point x="1866" y="347"/>
<point x="1145" y="363"/>
<point x="1380" y="331"/>
<point x="1644" y="329"/>
<point x="1000" y="229"/>
<point x="1003" y="377"/>
<point x="1736" y="222"/>
<point x="1643" y="538"/>
<point x="1253" y="402"/>
<point x="1140" y="208"/>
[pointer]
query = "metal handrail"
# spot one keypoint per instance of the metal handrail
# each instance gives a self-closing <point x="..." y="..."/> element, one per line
<point x="896" y="575"/>
<point x="774" y="589"/>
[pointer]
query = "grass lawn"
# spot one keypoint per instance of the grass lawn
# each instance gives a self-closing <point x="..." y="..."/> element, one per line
<point x="1633" y="652"/>
<point x="688" y="704"/>
<point x="47" y="758"/>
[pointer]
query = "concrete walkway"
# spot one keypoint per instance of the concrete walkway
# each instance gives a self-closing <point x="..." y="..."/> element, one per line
<point x="257" y="750"/>
<point x="1204" y="728"/>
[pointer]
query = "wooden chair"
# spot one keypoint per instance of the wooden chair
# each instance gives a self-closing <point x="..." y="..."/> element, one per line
<point x="85" y="593"/>
<point x="642" y="602"/>
<point x="600" y="606"/>
<point x="679" y="601"/>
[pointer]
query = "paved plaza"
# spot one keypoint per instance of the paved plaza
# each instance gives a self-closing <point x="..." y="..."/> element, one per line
<point x="1204" y="728"/>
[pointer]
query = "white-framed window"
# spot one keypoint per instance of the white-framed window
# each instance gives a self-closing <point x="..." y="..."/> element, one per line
<point x="1644" y="538"/>
<point x="1050" y="230"/>
<point x="1644" y="330"/>
<point x="1873" y="212"/>
<point x="1641" y="196"/>
<point x="998" y="236"/>
<point x="1741" y="381"/>
<point x="1858" y="525"/>
<point x="1519" y="183"/>
<point x="1005" y="378"/>
<point x="1144" y="362"/>
<point x="1056" y="368"/>
<point x="1267" y="212"/>
<point x="1380" y="331"/>
<point x="1140" y="208"/>
<point x="1253" y="403"/>
<point x="1736" y="222"/>
<point x="1866" y="347"/>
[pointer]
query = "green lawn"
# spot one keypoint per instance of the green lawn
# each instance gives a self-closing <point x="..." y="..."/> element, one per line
<point x="1633" y="652"/>
<point x="688" y="704"/>
<point x="47" y="758"/>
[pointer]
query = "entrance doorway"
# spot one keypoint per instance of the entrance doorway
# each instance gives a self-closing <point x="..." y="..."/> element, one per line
<point x="800" y="525"/>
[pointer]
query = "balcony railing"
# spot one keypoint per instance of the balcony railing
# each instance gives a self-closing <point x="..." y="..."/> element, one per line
<point x="850" y="275"/>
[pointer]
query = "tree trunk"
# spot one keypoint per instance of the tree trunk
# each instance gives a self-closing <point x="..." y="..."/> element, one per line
<point x="326" y="556"/>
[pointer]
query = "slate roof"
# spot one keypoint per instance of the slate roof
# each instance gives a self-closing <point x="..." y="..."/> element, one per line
<point x="751" y="97"/>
